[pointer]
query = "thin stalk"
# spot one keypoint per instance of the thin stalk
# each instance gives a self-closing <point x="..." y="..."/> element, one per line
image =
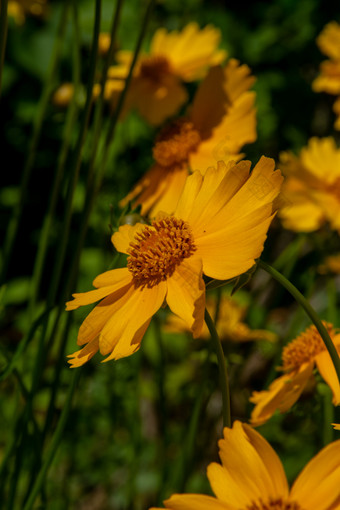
<point x="309" y="310"/>
<point x="69" y="127"/>
<point x="38" y="122"/>
<point x="328" y="413"/>
<point x="224" y="380"/>
<point x="3" y="35"/>
<point x="55" y="441"/>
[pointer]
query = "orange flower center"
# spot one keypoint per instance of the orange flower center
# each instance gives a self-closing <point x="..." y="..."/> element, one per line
<point x="158" y="249"/>
<point x="274" y="504"/>
<point x="154" y="68"/>
<point x="175" y="142"/>
<point x="304" y="348"/>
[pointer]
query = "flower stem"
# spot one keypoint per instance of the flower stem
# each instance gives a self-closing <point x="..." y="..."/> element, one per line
<point x="222" y="368"/>
<point x="309" y="310"/>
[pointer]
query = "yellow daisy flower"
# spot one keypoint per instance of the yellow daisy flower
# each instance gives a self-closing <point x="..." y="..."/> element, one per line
<point x="229" y="325"/>
<point x="220" y="121"/>
<point x="156" y="89"/>
<point x="329" y="78"/>
<point x="251" y="477"/>
<point x="311" y="191"/>
<point x="218" y="228"/>
<point x="299" y="358"/>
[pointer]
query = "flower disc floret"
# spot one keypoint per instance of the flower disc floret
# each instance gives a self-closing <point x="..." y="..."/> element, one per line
<point x="154" y="68"/>
<point x="158" y="249"/>
<point x="304" y="348"/>
<point x="175" y="142"/>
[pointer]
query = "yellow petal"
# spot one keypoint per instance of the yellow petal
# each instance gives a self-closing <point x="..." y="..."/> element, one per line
<point x="125" y="235"/>
<point x="226" y="487"/>
<point x="318" y="485"/>
<point x="188" y="197"/>
<point x="281" y="395"/>
<point x="130" y="314"/>
<point x="329" y="40"/>
<point x="327" y="371"/>
<point x="111" y="281"/>
<point x="195" y="502"/>
<point x="251" y="464"/>
<point x="78" y="358"/>
<point x="186" y="294"/>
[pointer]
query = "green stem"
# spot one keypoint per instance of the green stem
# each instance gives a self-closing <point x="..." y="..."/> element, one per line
<point x="222" y="369"/>
<point x="55" y="442"/>
<point x="3" y="35"/>
<point x="309" y="310"/>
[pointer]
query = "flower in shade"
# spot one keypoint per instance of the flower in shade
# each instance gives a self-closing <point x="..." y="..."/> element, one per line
<point x="156" y="90"/>
<point x="251" y="477"/>
<point x="311" y="189"/>
<point x="218" y="228"/>
<point x="220" y="121"/>
<point x="230" y="323"/>
<point x="299" y="358"/>
<point x="329" y="78"/>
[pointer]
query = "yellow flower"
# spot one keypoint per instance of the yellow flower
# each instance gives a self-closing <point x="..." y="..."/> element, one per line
<point x="331" y="264"/>
<point x="229" y="325"/>
<point x="329" y="78"/>
<point x="311" y="189"/>
<point x="251" y="477"/>
<point x="17" y="9"/>
<point x="336" y="426"/>
<point x="156" y="89"/>
<point x="218" y="228"/>
<point x="221" y="120"/>
<point x="299" y="358"/>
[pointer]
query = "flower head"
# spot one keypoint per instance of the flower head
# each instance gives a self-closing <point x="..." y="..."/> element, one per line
<point x="251" y="477"/>
<point x="156" y="90"/>
<point x="312" y="186"/>
<point x="218" y="228"/>
<point x="220" y="121"/>
<point x="299" y="358"/>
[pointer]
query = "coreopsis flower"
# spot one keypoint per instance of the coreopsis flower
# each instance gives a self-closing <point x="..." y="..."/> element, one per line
<point x="299" y="358"/>
<point x="156" y="89"/>
<point x="220" y="121"/>
<point x="329" y="78"/>
<point x="230" y="323"/>
<point x="218" y="229"/>
<point x="251" y="477"/>
<point x="311" y="192"/>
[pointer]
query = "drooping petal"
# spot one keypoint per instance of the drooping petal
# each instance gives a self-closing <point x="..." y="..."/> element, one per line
<point x="281" y="395"/>
<point x="109" y="282"/>
<point x="327" y="371"/>
<point x="129" y="315"/>
<point x="78" y="358"/>
<point x="186" y="294"/>
<point x="318" y="485"/>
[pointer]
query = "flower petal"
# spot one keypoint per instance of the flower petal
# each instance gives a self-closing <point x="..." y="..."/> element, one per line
<point x="129" y="314"/>
<point x="78" y="358"/>
<point x="186" y="294"/>
<point x="251" y="465"/>
<point x="327" y="371"/>
<point x="281" y="395"/>
<point x="318" y="485"/>
<point x="125" y="235"/>
<point x="195" y="502"/>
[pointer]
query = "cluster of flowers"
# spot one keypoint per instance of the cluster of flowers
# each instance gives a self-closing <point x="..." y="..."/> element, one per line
<point x="209" y="215"/>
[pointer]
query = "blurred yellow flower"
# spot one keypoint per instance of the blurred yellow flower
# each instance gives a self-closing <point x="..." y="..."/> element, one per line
<point x="18" y="9"/>
<point x="156" y="89"/>
<point x="251" y="477"/>
<point x="220" y="121"/>
<point x="329" y="78"/>
<point x="218" y="228"/>
<point x="331" y="264"/>
<point x="299" y="358"/>
<point x="311" y="191"/>
<point x="229" y="325"/>
<point x="336" y="426"/>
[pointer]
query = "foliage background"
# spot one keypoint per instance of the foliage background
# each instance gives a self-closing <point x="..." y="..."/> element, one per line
<point x="144" y="427"/>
